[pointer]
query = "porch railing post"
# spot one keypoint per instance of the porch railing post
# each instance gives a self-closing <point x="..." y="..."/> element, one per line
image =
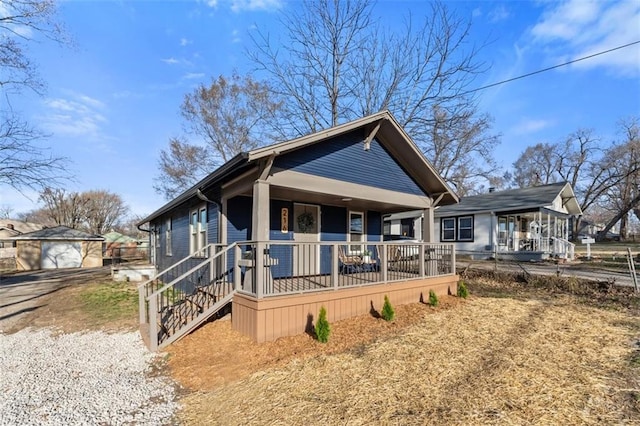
<point x="142" y="305"/>
<point x="422" y="247"/>
<point x="153" y="324"/>
<point x="258" y="269"/>
<point x="383" y="261"/>
<point x="212" y="274"/>
<point x="335" y="266"/>
<point x="453" y="258"/>
<point x="237" y="273"/>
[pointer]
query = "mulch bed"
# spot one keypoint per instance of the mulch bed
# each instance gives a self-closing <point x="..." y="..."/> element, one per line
<point x="526" y="352"/>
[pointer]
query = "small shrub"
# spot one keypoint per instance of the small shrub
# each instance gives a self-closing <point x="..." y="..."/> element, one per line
<point x="388" y="314"/>
<point x="462" y="290"/>
<point x="322" y="326"/>
<point x="433" y="298"/>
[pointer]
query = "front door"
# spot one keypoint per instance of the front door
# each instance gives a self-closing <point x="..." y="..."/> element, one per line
<point x="306" y="229"/>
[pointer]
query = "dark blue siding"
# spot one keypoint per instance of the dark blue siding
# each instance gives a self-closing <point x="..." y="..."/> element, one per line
<point x="374" y="230"/>
<point x="180" y="234"/>
<point x="213" y="221"/>
<point x="239" y="219"/>
<point x="344" y="158"/>
<point x="334" y="228"/>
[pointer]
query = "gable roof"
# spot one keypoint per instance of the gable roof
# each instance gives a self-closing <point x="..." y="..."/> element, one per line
<point x="117" y="237"/>
<point x="389" y="133"/>
<point x="515" y="199"/>
<point x="17" y="227"/>
<point x="59" y="233"/>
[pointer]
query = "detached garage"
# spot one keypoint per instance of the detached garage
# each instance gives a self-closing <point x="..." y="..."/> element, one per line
<point x="57" y="248"/>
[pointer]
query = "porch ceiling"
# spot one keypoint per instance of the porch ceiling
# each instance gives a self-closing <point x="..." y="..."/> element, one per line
<point x="351" y="203"/>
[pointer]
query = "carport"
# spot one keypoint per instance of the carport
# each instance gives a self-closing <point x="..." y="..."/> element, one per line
<point x="57" y="248"/>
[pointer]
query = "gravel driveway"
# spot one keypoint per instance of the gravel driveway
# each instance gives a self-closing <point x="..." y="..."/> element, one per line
<point x="49" y="378"/>
<point x="81" y="378"/>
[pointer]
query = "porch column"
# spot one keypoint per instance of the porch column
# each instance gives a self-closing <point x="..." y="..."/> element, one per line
<point x="260" y="220"/>
<point x="428" y="226"/>
<point x="260" y="231"/>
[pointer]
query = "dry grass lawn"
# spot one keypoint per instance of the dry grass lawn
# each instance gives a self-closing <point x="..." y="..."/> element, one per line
<point x="540" y="358"/>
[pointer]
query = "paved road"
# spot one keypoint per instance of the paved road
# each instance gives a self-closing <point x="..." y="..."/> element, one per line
<point x="578" y="270"/>
<point x="25" y="292"/>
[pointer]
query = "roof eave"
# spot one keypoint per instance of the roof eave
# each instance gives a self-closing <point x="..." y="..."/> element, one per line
<point x="203" y="183"/>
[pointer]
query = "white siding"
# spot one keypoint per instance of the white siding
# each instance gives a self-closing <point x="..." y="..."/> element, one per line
<point x="482" y="231"/>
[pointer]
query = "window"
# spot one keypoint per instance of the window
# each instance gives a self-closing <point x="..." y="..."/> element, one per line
<point x="448" y="229"/>
<point x="465" y="228"/>
<point x="456" y="228"/>
<point x="168" y="249"/>
<point x="198" y="229"/>
<point x="356" y="231"/>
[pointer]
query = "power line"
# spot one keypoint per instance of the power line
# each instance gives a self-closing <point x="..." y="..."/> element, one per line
<point x="553" y="67"/>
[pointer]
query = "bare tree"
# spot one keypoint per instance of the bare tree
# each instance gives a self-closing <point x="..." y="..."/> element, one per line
<point x="23" y="163"/>
<point x="340" y="64"/>
<point x="104" y="211"/>
<point x="623" y="162"/>
<point x="62" y="208"/>
<point x="93" y="211"/>
<point x="181" y="166"/>
<point x="536" y="166"/>
<point x="5" y="211"/>
<point x="227" y="117"/>
<point x="462" y="153"/>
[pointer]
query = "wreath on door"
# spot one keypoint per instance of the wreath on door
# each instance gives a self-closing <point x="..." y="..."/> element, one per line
<point x="305" y="222"/>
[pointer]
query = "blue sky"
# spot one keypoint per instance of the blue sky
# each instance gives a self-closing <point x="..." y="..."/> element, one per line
<point x="113" y="99"/>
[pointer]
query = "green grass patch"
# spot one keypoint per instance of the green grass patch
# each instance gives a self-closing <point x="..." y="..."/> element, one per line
<point x="110" y="301"/>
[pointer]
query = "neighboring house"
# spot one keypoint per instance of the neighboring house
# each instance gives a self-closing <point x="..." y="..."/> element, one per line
<point x="10" y="228"/>
<point x="281" y="230"/>
<point x="408" y="224"/>
<point x="58" y="247"/>
<point x="522" y="224"/>
<point x="120" y="246"/>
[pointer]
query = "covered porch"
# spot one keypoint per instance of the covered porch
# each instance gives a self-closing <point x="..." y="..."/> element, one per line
<point x="533" y="235"/>
<point x="272" y="296"/>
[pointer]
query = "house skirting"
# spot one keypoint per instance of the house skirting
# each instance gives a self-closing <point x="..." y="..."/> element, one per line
<point x="270" y="318"/>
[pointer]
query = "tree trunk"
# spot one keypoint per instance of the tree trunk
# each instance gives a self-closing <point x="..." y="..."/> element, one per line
<point x="617" y="217"/>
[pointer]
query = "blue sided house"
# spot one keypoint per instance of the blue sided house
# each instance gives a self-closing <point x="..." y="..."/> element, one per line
<point x="281" y="230"/>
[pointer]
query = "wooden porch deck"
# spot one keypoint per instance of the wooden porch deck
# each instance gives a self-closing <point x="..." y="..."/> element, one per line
<point x="323" y="282"/>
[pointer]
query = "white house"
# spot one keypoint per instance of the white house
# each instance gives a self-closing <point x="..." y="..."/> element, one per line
<point x="523" y="224"/>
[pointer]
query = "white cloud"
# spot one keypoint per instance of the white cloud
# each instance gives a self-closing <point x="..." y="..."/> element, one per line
<point x="76" y="116"/>
<point x="498" y="14"/>
<point x="170" y="61"/>
<point x="184" y="41"/>
<point x="193" y="76"/>
<point x="235" y="36"/>
<point x="246" y="5"/>
<point x="577" y="28"/>
<point x="528" y="126"/>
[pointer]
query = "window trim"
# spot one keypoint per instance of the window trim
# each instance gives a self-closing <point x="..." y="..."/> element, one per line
<point x="197" y="229"/>
<point x="362" y="233"/>
<point x="168" y="240"/>
<point x="470" y="228"/>
<point x="457" y="228"/>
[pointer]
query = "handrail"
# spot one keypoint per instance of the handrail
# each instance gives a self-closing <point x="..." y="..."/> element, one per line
<point x="191" y="256"/>
<point x="190" y="271"/>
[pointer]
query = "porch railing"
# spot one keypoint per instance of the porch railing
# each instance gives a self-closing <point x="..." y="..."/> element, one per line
<point x="179" y="296"/>
<point x="564" y="248"/>
<point x="274" y="268"/>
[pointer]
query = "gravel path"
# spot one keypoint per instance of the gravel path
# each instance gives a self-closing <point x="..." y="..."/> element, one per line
<point x="81" y="378"/>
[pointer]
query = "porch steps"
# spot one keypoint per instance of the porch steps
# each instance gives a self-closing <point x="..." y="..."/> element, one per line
<point x="173" y="331"/>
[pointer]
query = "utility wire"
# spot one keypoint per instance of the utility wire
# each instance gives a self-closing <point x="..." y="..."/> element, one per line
<point x="553" y="67"/>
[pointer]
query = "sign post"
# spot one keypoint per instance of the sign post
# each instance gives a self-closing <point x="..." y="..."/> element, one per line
<point x="588" y="242"/>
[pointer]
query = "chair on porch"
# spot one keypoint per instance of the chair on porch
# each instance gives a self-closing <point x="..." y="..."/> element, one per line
<point x="348" y="263"/>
